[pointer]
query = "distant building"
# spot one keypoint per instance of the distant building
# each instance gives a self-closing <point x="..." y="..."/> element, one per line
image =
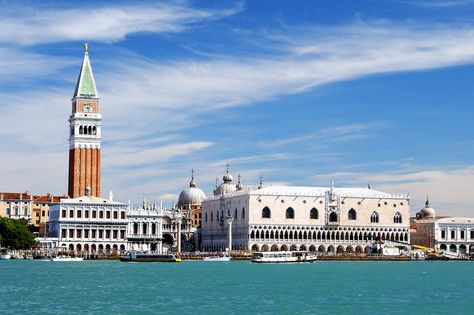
<point x="449" y="234"/>
<point x="85" y="134"/>
<point x="145" y="227"/>
<point x="90" y="224"/>
<point x="324" y="219"/>
<point x="40" y="211"/>
<point x="190" y="201"/>
<point x="16" y="205"/>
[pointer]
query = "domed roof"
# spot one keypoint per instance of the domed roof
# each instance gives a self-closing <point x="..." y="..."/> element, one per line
<point x="227" y="186"/>
<point x="191" y="195"/>
<point x="224" y="188"/>
<point x="427" y="211"/>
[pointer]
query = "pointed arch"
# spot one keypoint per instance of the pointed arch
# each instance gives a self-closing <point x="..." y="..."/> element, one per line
<point x="374" y="218"/>
<point x="314" y="214"/>
<point x="290" y="213"/>
<point x="266" y="213"/>
<point x="352" y="215"/>
<point x="397" y="218"/>
<point x="333" y="217"/>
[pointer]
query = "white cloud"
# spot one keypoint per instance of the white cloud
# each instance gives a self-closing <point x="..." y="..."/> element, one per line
<point x="439" y="3"/>
<point x="302" y="64"/>
<point x="450" y="190"/>
<point x="330" y="134"/>
<point x="144" y="98"/>
<point x="18" y="65"/>
<point x="28" y="25"/>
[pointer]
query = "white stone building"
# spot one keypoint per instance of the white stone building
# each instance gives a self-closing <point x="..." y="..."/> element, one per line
<point x="90" y="224"/>
<point x="145" y="227"/>
<point x="448" y="234"/>
<point x="324" y="219"/>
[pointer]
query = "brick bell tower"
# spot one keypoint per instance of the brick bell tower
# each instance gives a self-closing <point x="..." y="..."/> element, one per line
<point x="85" y="135"/>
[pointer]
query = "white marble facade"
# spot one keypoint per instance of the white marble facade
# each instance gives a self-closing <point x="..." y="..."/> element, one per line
<point x="324" y="219"/>
<point x="89" y="224"/>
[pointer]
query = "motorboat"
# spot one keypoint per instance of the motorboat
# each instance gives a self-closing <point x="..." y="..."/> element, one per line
<point x="217" y="258"/>
<point x="148" y="256"/>
<point x="67" y="258"/>
<point x="284" y="257"/>
<point x="4" y="254"/>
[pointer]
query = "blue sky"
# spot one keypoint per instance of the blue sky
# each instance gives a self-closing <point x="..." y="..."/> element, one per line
<point x="303" y="92"/>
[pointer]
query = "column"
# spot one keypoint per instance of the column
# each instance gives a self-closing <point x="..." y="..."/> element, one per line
<point x="178" y="227"/>
<point x="229" y="233"/>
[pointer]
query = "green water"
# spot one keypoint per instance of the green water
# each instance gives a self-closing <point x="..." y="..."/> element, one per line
<point x="339" y="287"/>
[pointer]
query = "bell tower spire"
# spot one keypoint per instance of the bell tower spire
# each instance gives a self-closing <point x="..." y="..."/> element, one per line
<point x="85" y="134"/>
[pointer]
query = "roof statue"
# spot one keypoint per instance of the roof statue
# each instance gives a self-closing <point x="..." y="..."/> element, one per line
<point x="239" y="184"/>
<point x="85" y="86"/>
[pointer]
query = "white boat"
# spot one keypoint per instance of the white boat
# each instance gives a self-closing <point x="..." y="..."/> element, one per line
<point x="283" y="257"/>
<point x="4" y="255"/>
<point x="217" y="258"/>
<point x="67" y="258"/>
<point x="147" y="256"/>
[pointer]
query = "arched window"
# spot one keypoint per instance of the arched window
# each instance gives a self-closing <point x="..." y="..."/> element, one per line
<point x="89" y="130"/>
<point x="333" y="217"/>
<point x="397" y="218"/>
<point x="25" y="211"/>
<point x="205" y="217"/>
<point x="266" y="213"/>
<point x="217" y="215"/>
<point x="16" y="211"/>
<point x="212" y="216"/>
<point x="94" y="130"/>
<point x="374" y="218"/>
<point x="290" y="213"/>
<point x="313" y="214"/>
<point x="235" y="214"/>
<point x="352" y="215"/>
<point x="243" y="213"/>
<point x="81" y="130"/>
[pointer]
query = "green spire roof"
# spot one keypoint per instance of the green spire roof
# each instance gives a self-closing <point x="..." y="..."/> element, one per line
<point x="85" y="86"/>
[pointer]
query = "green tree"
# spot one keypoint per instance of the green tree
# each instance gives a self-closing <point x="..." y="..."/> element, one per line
<point x="15" y="234"/>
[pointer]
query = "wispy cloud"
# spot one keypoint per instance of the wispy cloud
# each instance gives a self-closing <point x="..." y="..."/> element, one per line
<point x="439" y="3"/>
<point x="450" y="189"/>
<point x="35" y="24"/>
<point x="330" y="134"/>
<point x="146" y="98"/>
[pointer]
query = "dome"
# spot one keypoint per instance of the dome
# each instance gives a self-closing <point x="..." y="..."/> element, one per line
<point x="224" y="188"/>
<point x="427" y="211"/>
<point x="227" y="178"/>
<point x="227" y="186"/>
<point x="191" y="195"/>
